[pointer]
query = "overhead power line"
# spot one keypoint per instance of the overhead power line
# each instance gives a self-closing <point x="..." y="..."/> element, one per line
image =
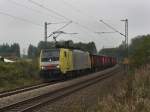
<point x="48" y="9"/>
<point x="31" y="9"/>
<point x="58" y="30"/>
<point x="78" y="10"/>
<point x="82" y="13"/>
<point x="55" y="34"/>
<point x="104" y="32"/>
<point x="70" y="5"/>
<point x="83" y="26"/>
<point x="57" y="22"/>
<point x="112" y="28"/>
<point x="51" y="10"/>
<point x="65" y="25"/>
<point x="19" y="18"/>
<point x="57" y="13"/>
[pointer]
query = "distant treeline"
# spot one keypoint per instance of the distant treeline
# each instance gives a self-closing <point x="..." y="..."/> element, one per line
<point x="118" y="52"/>
<point x="10" y="50"/>
<point x="34" y="51"/>
<point x="139" y="51"/>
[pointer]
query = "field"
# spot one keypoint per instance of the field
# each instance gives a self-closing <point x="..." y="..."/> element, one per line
<point x="14" y="75"/>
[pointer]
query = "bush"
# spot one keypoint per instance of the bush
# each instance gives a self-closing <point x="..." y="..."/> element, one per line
<point x="18" y="74"/>
<point x="139" y="50"/>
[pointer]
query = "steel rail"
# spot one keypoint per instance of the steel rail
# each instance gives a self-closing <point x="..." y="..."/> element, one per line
<point x="23" y="89"/>
<point x="64" y="94"/>
<point x="30" y="104"/>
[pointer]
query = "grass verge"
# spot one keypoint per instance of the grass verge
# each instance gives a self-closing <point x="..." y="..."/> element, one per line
<point x="130" y="95"/>
<point x="19" y="74"/>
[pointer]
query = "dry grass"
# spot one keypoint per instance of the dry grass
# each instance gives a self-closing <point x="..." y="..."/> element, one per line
<point x="131" y="95"/>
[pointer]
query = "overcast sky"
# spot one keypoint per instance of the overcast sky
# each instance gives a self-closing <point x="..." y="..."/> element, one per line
<point x="22" y="21"/>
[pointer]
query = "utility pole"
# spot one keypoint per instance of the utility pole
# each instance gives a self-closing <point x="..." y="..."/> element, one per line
<point x="45" y="30"/>
<point x="126" y="36"/>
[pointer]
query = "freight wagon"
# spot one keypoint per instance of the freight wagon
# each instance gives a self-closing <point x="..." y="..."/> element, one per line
<point x="99" y="62"/>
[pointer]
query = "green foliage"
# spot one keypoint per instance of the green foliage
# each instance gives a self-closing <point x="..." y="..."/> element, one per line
<point x="119" y="52"/>
<point x="33" y="52"/>
<point x="18" y="74"/>
<point x="131" y="94"/>
<point x="10" y="50"/>
<point x="90" y="47"/>
<point x="47" y="45"/>
<point x="108" y="51"/>
<point x="140" y="50"/>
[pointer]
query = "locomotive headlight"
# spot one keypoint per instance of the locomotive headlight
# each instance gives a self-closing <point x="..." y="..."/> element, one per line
<point x="42" y="67"/>
<point x="57" y="66"/>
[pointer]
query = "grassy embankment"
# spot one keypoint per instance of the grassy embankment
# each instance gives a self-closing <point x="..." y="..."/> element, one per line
<point x="131" y="95"/>
<point x="19" y="74"/>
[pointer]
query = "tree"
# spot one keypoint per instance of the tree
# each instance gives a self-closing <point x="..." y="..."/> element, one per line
<point x="15" y="48"/>
<point x="90" y="47"/>
<point x="120" y="52"/>
<point x="32" y="51"/>
<point x="10" y="50"/>
<point x="140" y="50"/>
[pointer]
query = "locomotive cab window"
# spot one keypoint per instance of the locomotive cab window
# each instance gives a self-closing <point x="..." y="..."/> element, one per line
<point x="65" y="53"/>
<point x="50" y="55"/>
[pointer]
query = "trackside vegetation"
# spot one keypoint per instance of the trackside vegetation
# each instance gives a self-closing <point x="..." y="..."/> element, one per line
<point x="18" y="74"/>
<point x="132" y="94"/>
<point x="140" y="51"/>
<point x="127" y="97"/>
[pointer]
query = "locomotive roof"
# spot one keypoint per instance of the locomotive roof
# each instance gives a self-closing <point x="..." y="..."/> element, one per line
<point x="101" y="55"/>
<point x="52" y="49"/>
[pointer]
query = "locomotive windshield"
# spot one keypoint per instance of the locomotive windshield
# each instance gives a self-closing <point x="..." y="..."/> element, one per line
<point x="50" y="55"/>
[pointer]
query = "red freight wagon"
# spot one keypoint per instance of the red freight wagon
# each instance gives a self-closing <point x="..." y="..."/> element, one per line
<point x="99" y="62"/>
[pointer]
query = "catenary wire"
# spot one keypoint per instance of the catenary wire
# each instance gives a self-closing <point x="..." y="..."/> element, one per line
<point x="22" y="19"/>
<point x="32" y="9"/>
<point x="51" y="10"/>
<point x="48" y="9"/>
<point x="77" y="10"/>
<point x="19" y="18"/>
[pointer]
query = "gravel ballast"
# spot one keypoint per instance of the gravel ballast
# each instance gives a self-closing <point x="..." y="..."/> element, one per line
<point x="84" y="100"/>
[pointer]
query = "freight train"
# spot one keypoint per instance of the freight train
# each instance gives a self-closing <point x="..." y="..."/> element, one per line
<point x="63" y="62"/>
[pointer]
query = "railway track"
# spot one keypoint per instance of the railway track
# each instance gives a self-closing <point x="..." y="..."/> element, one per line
<point x="76" y="85"/>
<point x="23" y="89"/>
<point x="26" y="88"/>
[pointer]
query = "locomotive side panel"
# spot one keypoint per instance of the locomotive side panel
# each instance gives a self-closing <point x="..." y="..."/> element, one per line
<point x="66" y="61"/>
<point x="81" y="60"/>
